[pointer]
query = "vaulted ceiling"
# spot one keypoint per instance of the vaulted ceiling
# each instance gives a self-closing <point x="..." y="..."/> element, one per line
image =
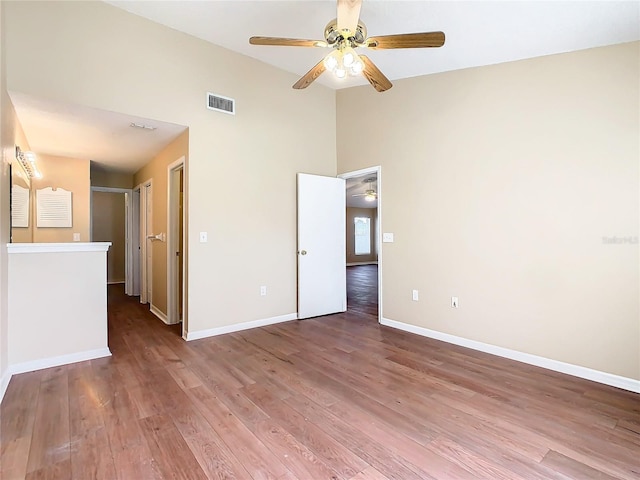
<point x="477" y="33"/>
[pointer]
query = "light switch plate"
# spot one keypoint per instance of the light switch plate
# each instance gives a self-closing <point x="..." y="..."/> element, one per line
<point x="387" y="237"/>
<point x="203" y="237"/>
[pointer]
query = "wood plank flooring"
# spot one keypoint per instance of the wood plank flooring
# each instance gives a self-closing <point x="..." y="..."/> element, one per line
<point x="338" y="397"/>
<point x="362" y="290"/>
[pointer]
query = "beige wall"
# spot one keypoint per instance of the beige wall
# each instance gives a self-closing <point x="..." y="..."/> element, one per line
<point x="6" y="143"/>
<point x="72" y="174"/>
<point x="108" y="225"/>
<point x="101" y="178"/>
<point x="276" y="132"/>
<point x="351" y="253"/>
<point x="500" y="183"/>
<point x="156" y="171"/>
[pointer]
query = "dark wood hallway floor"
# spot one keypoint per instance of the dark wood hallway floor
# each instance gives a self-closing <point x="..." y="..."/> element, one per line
<point x="362" y="290"/>
<point x="338" y="397"/>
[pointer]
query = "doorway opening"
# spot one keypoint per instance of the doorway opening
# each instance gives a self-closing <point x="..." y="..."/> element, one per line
<point x="112" y="220"/>
<point x="363" y="241"/>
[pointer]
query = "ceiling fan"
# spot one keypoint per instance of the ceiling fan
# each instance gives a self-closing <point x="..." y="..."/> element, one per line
<point x="370" y="193"/>
<point x="343" y="35"/>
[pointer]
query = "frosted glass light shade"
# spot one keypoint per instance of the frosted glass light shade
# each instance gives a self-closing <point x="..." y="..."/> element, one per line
<point x="332" y="61"/>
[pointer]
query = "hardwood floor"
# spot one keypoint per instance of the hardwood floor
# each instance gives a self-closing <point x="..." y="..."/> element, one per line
<point x="362" y="290"/>
<point x="337" y="397"/>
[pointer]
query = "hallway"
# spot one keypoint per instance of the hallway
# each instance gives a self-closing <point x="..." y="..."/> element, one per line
<point x="362" y="290"/>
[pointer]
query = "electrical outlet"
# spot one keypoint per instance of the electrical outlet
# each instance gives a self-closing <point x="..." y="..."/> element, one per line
<point x="263" y="290"/>
<point x="454" y="302"/>
<point x="415" y="296"/>
<point x="76" y="237"/>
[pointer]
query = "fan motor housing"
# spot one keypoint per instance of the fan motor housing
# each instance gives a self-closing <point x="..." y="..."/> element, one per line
<point x="333" y="36"/>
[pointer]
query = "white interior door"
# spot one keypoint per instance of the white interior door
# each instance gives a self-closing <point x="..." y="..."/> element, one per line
<point x="322" y="283"/>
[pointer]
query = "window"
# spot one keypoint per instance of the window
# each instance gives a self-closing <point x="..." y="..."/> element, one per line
<point x="362" y="235"/>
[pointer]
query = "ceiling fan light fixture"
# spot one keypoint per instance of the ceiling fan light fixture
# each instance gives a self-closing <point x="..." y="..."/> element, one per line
<point x="349" y="56"/>
<point x="332" y="61"/>
<point x="343" y="61"/>
<point x="370" y="197"/>
<point x="356" y="67"/>
<point x="346" y="33"/>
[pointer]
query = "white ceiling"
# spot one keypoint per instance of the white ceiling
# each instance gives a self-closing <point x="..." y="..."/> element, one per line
<point x="359" y="185"/>
<point x="477" y="32"/>
<point x="104" y="137"/>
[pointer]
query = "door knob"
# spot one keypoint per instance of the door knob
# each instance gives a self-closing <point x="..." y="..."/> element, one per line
<point x="303" y="252"/>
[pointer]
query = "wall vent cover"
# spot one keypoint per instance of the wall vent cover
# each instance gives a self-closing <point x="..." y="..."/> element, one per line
<point x="221" y="104"/>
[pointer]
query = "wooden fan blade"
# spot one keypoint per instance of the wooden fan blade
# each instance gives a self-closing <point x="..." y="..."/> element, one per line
<point x="310" y="76"/>
<point x="374" y="75"/>
<point x="348" y="14"/>
<point x="286" y="42"/>
<point x="406" y="40"/>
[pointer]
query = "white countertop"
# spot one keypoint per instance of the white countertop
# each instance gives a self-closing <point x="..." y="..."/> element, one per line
<point x="58" y="247"/>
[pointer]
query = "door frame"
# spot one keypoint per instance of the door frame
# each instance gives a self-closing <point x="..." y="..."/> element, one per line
<point x="128" y="231"/>
<point x="134" y="209"/>
<point x="173" y="242"/>
<point x="359" y="173"/>
<point x="146" y="276"/>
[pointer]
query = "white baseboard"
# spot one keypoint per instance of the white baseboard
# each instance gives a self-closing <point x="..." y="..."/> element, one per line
<point x="212" y="332"/>
<point x="353" y="264"/>
<point x="4" y="383"/>
<point x="48" y="363"/>
<point x="57" y="361"/>
<point x="576" y="370"/>
<point x="158" y="313"/>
